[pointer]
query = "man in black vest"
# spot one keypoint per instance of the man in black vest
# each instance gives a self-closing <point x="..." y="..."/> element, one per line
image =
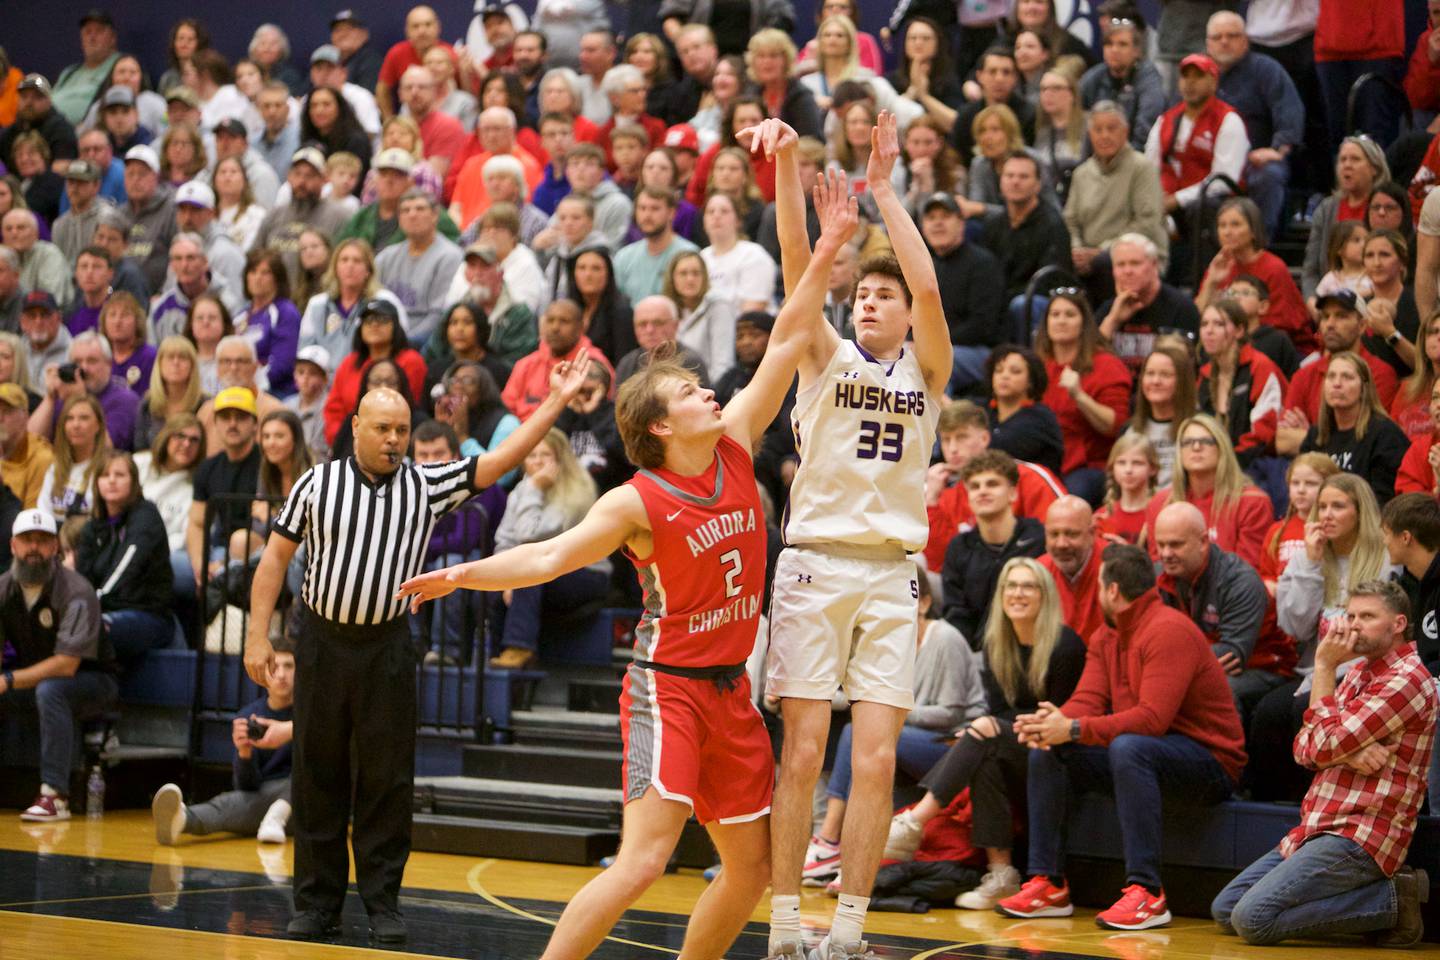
<point x="54" y="659"/>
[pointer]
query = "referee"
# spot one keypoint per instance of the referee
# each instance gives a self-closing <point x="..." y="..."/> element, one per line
<point x="365" y="522"/>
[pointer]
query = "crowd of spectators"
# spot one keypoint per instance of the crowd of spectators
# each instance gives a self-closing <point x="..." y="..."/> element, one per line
<point x="202" y="276"/>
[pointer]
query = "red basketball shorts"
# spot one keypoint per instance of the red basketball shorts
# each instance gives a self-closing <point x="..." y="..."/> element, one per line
<point x="696" y="744"/>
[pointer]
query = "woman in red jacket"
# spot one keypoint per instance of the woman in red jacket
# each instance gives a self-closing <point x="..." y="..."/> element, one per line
<point x="1241" y="232"/>
<point x="1417" y="470"/>
<point x="1411" y="407"/>
<point x="379" y="337"/>
<point x="1237" y="513"/>
<point x="1239" y="385"/>
<point x="1089" y="390"/>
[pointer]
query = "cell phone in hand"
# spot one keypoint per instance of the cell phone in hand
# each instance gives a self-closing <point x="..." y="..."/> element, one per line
<point x="254" y="729"/>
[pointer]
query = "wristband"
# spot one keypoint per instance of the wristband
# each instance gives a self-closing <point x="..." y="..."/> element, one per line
<point x="1074" y="731"/>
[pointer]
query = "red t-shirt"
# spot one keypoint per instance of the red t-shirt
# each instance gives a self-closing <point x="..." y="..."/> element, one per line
<point x="705" y="577"/>
<point x="1349" y="211"/>
<point x="402" y="57"/>
<point x="1239" y="530"/>
<point x="1125" y="524"/>
<point x="441" y="136"/>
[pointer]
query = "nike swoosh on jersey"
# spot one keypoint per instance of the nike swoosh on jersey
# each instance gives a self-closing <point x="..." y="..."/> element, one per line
<point x="670" y="517"/>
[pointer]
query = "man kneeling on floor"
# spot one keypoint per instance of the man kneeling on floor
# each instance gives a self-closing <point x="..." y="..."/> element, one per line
<point x="1150" y="721"/>
<point x="259" y="805"/>
<point x="1368" y="739"/>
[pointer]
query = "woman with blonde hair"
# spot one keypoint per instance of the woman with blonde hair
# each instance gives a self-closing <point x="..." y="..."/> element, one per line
<point x="850" y="147"/>
<point x="553" y="496"/>
<point x="731" y="173"/>
<point x="997" y="135"/>
<point x="80" y="444"/>
<point x="1286" y="536"/>
<point x="235" y="204"/>
<point x="1343" y="546"/>
<point x="1060" y="123"/>
<point x="1165" y="398"/>
<point x="1030" y="657"/>
<point x="770" y="62"/>
<point x="15" y="365"/>
<point x="174" y="389"/>
<point x="927" y="163"/>
<point x="707" y="320"/>
<point x="1412" y="405"/>
<point x="837" y="60"/>
<point x="1206" y="474"/>
<point x="333" y="314"/>
<point x="1352" y="428"/>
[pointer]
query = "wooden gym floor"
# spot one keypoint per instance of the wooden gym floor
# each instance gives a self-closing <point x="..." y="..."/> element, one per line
<point x="104" y="889"/>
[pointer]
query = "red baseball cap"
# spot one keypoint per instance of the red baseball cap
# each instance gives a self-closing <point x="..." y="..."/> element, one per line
<point x="1201" y="62"/>
<point x="682" y="136"/>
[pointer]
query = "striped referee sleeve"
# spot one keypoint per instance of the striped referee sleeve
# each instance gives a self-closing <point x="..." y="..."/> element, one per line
<point x="447" y="485"/>
<point x="294" y="515"/>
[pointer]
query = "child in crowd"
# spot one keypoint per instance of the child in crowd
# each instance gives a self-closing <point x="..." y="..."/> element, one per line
<point x="342" y="173"/>
<point x="1130" y="475"/>
<point x="628" y="146"/>
<point x="1253" y="296"/>
<point x="1286" y="537"/>
<point x="1346" y="261"/>
<point x="312" y="380"/>
<point x="259" y="805"/>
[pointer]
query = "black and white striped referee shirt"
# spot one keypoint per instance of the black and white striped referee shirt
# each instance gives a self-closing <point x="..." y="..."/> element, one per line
<point x="363" y="539"/>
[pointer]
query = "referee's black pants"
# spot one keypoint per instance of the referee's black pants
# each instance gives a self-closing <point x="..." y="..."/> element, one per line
<point x="354" y="724"/>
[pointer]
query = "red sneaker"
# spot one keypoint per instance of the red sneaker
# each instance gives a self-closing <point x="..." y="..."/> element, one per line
<point x="1135" y="910"/>
<point x="46" y="809"/>
<point x="1038" y="898"/>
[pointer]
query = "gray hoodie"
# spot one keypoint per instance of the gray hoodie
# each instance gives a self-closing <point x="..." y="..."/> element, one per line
<point x="148" y="234"/>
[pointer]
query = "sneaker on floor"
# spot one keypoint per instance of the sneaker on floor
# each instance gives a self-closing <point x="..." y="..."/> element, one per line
<point x="513" y="658"/>
<point x="856" y="950"/>
<point x="272" y="828"/>
<point x="1037" y="898"/>
<point x="387" y="928"/>
<point x="822" y="859"/>
<point x="997" y="884"/>
<point x="904" y="839"/>
<point x="789" y="950"/>
<point x="1137" y="909"/>
<point x="312" y="925"/>
<point x="168" y="811"/>
<point x="47" y="808"/>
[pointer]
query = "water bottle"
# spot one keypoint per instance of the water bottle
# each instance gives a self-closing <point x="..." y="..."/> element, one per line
<point x="95" y="793"/>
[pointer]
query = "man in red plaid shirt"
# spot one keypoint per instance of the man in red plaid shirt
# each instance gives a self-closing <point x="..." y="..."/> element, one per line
<point x="1369" y="742"/>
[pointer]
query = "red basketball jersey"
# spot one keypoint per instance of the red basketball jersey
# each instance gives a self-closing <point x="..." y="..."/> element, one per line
<point x="705" y="577"/>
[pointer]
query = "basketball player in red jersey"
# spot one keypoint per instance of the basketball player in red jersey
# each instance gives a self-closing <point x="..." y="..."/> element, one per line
<point x="691" y="521"/>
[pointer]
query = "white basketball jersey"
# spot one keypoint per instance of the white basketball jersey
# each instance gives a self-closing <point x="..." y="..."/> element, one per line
<point x="864" y="431"/>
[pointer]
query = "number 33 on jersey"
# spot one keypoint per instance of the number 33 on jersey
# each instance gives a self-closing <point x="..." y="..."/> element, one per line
<point x="864" y="430"/>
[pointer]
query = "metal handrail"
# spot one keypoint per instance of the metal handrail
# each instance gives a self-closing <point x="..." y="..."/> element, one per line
<point x="1407" y="120"/>
<point x="1043" y="275"/>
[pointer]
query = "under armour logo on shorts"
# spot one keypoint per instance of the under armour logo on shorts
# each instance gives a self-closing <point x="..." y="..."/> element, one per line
<point x="803" y="578"/>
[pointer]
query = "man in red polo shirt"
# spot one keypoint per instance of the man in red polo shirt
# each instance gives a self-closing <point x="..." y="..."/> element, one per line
<point x="422" y="31"/>
<point x="562" y="337"/>
<point x="441" y="136"/>
<point x="1342" y="322"/>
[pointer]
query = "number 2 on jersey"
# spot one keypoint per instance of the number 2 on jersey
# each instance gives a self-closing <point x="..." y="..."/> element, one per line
<point x="886" y="440"/>
<point x="732" y="560"/>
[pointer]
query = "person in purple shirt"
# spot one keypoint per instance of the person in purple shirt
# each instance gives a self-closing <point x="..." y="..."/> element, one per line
<point x="123" y="325"/>
<point x="92" y="358"/>
<point x="270" y="320"/>
<point x="94" y="272"/>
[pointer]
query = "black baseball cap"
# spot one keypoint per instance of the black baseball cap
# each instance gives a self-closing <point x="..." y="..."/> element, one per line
<point x="940" y="199"/>
<point x="1342" y="297"/>
<point x="39" y="300"/>
<point x="232" y="126"/>
<point x="96" y="15"/>
<point x="759" y="319"/>
<point x="379" y="307"/>
<point x="346" y="16"/>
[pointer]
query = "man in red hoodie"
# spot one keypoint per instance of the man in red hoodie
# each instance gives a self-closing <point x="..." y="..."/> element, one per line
<point x="1073" y="561"/>
<point x="1151" y="719"/>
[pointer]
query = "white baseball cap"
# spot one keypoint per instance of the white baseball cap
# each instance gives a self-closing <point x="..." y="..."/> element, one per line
<point x="30" y="521"/>
<point x="196" y="194"/>
<point x="315" y="354"/>
<point x="143" y="154"/>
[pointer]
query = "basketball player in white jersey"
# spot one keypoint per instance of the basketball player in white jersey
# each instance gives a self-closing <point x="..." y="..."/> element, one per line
<point x="844" y="604"/>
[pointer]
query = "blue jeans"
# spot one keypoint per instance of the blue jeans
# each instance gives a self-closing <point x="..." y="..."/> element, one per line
<point x="448" y="625"/>
<point x="1328" y="886"/>
<point x="528" y="604"/>
<point x="1140" y="772"/>
<point x="60" y="702"/>
<point x="133" y="633"/>
<point x="968" y="374"/>
<point x="915" y="753"/>
<point x="1266" y="186"/>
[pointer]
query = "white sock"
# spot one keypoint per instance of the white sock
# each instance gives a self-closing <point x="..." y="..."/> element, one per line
<point x="48" y="791"/>
<point x="849" y="923"/>
<point x="784" y="920"/>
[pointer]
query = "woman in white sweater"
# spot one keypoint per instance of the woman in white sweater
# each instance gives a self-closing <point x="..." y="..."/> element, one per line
<point x="66" y="489"/>
<point x="707" y="320"/>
